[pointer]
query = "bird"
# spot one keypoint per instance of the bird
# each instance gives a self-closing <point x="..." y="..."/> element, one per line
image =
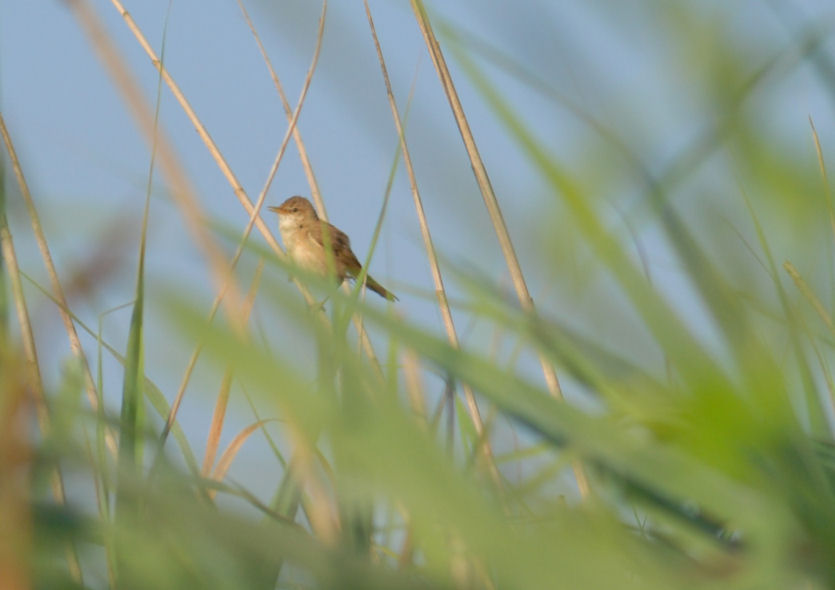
<point x="304" y="236"/>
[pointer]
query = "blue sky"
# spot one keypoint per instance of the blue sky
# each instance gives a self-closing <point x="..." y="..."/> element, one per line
<point x="639" y="67"/>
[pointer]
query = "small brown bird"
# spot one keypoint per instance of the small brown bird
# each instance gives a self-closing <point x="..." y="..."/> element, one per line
<point x="303" y="234"/>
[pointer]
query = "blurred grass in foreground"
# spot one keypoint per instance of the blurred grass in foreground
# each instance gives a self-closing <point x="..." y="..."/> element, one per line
<point x="707" y="440"/>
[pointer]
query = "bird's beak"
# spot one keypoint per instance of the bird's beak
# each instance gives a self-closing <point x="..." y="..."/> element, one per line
<point x="275" y="209"/>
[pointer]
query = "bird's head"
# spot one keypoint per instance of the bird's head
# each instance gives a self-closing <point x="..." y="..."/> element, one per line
<point x="295" y="210"/>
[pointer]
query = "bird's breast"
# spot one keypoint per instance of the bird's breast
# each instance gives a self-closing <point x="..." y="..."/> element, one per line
<point x="304" y="250"/>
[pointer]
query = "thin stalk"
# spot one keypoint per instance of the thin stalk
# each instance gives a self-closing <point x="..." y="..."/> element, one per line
<point x="810" y="296"/>
<point x="152" y="392"/>
<point x="58" y="290"/>
<point x="490" y="202"/>
<point x="297" y="137"/>
<point x="219" y="415"/>
<point x="221" y="162"/>
<point x="17" y="550"/>
<point x="431" y="255"/>
<point x="365" y="341"/>
<point x="180" y="187"/>
<point x="130" y="447"/>
<point x="231" y="451"/>
<point x="35" y="380"/>
<point x="253" y="219"/>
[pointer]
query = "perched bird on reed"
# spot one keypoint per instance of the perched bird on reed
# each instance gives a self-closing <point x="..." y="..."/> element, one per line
<point x="307" y="239"/>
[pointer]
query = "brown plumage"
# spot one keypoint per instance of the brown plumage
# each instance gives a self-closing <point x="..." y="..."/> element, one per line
<point x="306" y="238"/>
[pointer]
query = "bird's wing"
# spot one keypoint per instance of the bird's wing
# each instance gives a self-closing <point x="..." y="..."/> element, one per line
<point x="341" y="246"/>
<point x="346" y="261"/>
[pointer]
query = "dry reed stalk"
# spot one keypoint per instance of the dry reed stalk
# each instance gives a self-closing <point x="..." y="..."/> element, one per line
<point x="320" y="510"/>
<point x="321" y="210"/>
<point x="225" y="169"/>
<point x="432" y="257"/>
<point x="216" y="427"/>
<point x="810" y="296"/>
<point x="291" y="127"/>
<point x="225" y="461"/>
<point x="324" y="520"/>
<point x="254" y="216"/>
<point x="252" y="210"/>
<point x="26" y="334"/>
<point x="824" y="175"/>
<point x="35" y="381"/>
<point x="414" y="384"/>
<point x="58" y="290"/>
<point x="181" y="191"/>
<point x="306" y="165"/>
<point x="219" y="414"/>
<point x="221" y="162"/>
<point x="15" y="475"/>
<point x="491" y="203"/>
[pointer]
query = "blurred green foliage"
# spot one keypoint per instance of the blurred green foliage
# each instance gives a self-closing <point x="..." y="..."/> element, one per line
<point x="704" y="422"/>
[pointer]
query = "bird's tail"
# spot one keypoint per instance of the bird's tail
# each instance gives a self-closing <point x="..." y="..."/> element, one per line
<point x="379" y="289"/>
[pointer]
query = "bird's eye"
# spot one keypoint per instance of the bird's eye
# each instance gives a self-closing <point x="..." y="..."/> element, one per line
<point x="294" y="209"/>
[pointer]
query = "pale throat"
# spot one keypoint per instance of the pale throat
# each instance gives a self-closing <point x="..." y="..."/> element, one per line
<point x="289" y="226"/>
